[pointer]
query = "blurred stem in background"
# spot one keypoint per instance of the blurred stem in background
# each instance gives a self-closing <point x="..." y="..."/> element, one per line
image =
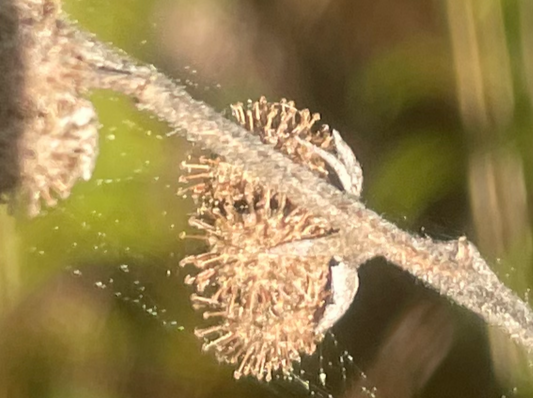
<point x="526" y="37"/>
<point x="381" y="71"/>
<point x="9" y="262"/>
<point x="497" y="186"/>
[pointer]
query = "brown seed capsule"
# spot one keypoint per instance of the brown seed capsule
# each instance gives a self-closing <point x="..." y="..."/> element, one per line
<point x="279" y="123"/>
<point x="59" y="143"/>
<point x="261" y="308"/>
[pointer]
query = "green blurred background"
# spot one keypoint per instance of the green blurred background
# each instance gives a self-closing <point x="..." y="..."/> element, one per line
<point x="435" y="98"/>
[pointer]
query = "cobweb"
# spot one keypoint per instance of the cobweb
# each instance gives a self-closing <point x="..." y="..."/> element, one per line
<point x="120" y="234"/>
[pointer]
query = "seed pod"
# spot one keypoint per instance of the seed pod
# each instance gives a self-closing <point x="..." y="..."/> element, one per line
<point x="262" y="309"/>
<point x="59" y="140"/>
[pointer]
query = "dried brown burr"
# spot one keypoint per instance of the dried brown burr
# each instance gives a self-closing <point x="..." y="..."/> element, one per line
<point x="60" y="141"/>
<point x="262" y="308"/>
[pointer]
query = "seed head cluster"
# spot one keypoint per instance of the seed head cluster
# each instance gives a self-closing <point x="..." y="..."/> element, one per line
<point x="60" y="140"/>
<point x="261" y="308"/>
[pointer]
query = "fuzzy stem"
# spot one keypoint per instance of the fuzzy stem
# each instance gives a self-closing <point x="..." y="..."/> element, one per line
<point x="455" y="269"/>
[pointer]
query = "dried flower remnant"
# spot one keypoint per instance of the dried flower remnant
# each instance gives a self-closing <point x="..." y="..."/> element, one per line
<point x="263" y="308"/>
<point x="60" y="141"/>
<point x="455" y="269"/>
<point x="282" y="125"/>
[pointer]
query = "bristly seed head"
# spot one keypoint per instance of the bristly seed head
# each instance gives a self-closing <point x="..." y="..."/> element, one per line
<point x="262" y="309"/>
<point x="279" y="123"/>
<point x="60" y="141"/>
